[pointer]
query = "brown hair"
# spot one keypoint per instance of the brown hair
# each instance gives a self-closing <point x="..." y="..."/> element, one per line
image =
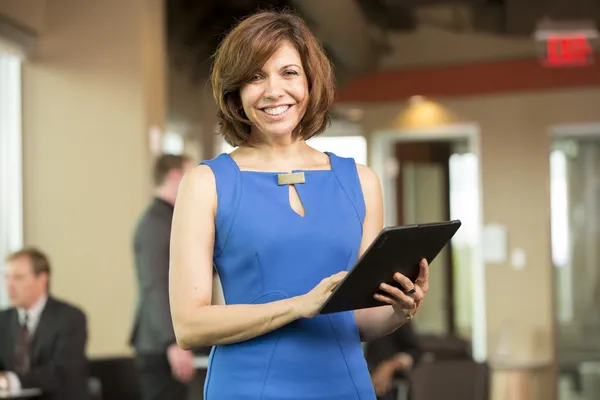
<point x="39" y="261"/>
<point x="164" y="164"/>
<point x="244" y="51"/>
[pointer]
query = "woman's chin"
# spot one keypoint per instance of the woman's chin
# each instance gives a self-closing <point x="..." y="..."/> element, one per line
<point x="280" y="132"/>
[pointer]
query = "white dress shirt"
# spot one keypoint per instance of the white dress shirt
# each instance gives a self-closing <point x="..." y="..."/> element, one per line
<point x="33" y="319"/>
<point x="34" y="313"/>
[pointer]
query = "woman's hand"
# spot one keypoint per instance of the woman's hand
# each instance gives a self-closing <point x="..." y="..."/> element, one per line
<point x="408" y="302"/>
<point x="311" y="302"/>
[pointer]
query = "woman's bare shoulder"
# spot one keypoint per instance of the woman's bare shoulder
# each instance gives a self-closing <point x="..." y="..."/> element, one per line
<point x="368" y="177"/>
<point x="199" y="180"/>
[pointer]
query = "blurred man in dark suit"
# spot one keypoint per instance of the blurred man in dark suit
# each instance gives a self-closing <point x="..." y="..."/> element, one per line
<point x="165" y="369"/>
<point x="42" y="339"/>
<point x="391" y="358"/>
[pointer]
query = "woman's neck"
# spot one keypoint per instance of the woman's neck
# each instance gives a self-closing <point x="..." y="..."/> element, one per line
<point x="276" y="157"/>
<point x="278" y="151"/>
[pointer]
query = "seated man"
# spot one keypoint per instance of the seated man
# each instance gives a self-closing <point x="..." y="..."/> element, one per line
<point x="42" y="339"/>
<point x="392" y="357"/>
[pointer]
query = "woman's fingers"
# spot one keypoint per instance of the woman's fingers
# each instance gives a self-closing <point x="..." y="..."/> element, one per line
<point x="337" y="278"/>
<point x="409" y="296"/>
<point x="404" y="281"/>
<point x="423" y="279"/>
<point x="395" y="302"/>
<point x="384" y="299"/>
<point x="334" y="280"/>
<point x="418" y="295"/>
<point x="396" y="295"/>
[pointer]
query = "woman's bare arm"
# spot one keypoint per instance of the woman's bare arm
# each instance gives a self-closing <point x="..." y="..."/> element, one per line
<point x="196" y="321"/>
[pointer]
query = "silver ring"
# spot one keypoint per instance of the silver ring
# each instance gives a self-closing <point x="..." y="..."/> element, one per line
<point x="411" y="290"/>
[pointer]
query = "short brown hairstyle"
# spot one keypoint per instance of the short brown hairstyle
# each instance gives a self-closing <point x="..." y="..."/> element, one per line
<point x="243" y="52"/>
<point x="164" y="164"/>
<point x="39" y="261"/>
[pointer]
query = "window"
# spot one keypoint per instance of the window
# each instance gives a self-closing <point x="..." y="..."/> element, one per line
<point x="343" y="146"/>
<point x="172" y="143"/>
<point x="560" y="234"/>
<point x="464" y="205"/>
<point x="11" y="204"/>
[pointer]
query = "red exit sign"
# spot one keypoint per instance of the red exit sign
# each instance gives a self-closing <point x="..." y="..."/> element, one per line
<point x="566" y="43"/>
<point x="568" y="50"/>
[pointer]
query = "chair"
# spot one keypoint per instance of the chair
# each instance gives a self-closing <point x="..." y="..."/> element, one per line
<point x="444" y="347"/>
<point x="451" y="379"/>
<point x="118" y="378"/>
<point x="402" y="389"/>
<point x="95" y="388"/>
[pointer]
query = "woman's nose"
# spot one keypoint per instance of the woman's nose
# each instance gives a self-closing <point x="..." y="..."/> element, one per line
<point x="274" y="88"/>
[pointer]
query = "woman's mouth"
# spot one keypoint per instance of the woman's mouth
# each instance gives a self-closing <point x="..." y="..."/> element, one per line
<point x="275" y="112"/>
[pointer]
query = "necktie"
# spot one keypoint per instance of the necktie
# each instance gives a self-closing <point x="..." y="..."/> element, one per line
<point x="22" y="350"/>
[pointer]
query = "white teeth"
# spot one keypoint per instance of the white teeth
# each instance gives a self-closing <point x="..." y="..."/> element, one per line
<point x="276" y="110"/>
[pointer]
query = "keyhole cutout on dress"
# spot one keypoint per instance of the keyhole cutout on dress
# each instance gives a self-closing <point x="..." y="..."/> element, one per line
<point x="295" y="202"/>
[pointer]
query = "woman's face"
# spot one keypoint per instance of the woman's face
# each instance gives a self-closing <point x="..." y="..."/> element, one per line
<point x="275" y="99"/>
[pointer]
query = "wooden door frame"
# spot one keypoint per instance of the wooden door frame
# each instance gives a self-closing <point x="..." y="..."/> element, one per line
<point x="437" y="154"/>
<point x="381" y="149"/>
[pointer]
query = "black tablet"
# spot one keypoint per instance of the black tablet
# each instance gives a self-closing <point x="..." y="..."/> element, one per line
<point x="396" y="249"/>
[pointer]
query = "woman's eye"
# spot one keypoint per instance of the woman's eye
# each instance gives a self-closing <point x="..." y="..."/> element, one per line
<point x="290" y="72"/>
<point x="255" y="78"/>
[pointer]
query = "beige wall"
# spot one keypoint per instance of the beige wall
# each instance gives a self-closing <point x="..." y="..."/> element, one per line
<point x="89" y="98"/>
<point x="515" y="172"/>
<point x="92" y="92"/>
<point x="192" y="110"/>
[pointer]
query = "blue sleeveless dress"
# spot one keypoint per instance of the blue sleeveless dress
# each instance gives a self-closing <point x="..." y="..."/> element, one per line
<point x="264" y="251"/>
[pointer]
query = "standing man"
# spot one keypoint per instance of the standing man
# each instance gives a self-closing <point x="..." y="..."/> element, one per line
<point x="42" y="339"/>
<point x="165" y="369"/>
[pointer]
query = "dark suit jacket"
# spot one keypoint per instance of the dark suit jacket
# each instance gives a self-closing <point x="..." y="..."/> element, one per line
<point x="152" y="328"/>
<point x="58" y="361"/>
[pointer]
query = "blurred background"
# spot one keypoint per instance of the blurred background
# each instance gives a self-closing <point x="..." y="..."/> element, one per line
<point x="486" y="111"/>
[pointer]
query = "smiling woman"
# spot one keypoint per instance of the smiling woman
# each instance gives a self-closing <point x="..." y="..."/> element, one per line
<point x="281" y="223"/>
<point x="276" y="107"/>
<point x="282" y="62"/>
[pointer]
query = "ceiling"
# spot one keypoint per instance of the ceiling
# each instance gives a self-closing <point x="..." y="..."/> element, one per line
<point x="195" y="27"/>
<point x="354" y="32"/>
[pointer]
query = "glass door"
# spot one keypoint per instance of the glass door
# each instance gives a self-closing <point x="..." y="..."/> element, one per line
<point x="575" y="240"/>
